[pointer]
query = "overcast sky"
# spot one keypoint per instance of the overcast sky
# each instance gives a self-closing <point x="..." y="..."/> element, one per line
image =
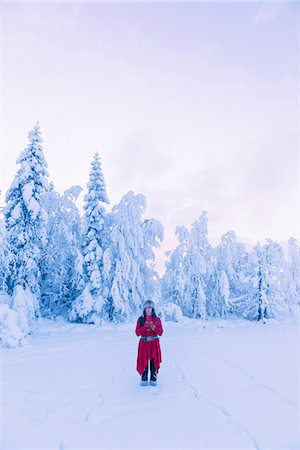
<point x="192" y="104"/>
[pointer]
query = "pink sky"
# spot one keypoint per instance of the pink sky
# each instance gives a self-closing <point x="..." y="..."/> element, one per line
<point x="192" y="104"/>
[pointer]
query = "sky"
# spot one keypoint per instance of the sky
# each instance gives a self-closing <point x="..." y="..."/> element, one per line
<point x="195" y="105"/>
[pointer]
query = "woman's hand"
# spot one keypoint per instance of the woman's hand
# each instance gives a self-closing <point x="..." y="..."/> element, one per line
<point x="150" y="325"/>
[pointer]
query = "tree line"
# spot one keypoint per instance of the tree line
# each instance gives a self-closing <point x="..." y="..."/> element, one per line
<point x="99" y="266"/>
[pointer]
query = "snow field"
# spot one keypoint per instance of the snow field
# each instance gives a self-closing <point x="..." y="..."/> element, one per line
<point x="222" y="385"/>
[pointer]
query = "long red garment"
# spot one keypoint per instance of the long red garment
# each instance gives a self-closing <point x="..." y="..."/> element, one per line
<point x="151" y="349"/>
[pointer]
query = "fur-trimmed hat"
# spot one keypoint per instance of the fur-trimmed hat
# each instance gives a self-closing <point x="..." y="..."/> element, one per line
<point x="148" y="304"/>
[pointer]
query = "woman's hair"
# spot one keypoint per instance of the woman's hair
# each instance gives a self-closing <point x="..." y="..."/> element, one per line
<point x="142" y="318"/>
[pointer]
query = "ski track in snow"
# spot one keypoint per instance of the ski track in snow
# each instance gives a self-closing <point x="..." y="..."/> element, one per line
<point x="257" y="382"/>
<point x="225" y="414"/>
<point x="126" y="406"/>
<point x="100" y="395"/>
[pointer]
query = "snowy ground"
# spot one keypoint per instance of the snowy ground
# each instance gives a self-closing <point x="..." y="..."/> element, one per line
<point x="222" y="385"/>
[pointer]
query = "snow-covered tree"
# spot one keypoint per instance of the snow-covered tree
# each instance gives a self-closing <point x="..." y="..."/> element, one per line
<point x="222" y="293"/>
<point x="62" y="271"/>
<point x="194" y="269"/>
<point x="228" y="282"/>
<point x="129" y="276"/>
<point x="292" y="273"/>
<point x="267" y="299"/>
<point x="187" y="284"/>
<point x="173" y="280"/>
<point x="244" y="304"/>
<point x="5" y="260"/>
<point x="230" y="257"/>
<point x="25" y="221"/>
<point x="153" y="235"/>
<point x="88" y="307"/>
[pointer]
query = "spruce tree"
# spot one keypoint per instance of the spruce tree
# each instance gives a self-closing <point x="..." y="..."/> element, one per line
<point x="25" y="221"/>
<point x="88" y="307"/>
<point x="265" y="299"/>
<point x="5" y="261"/>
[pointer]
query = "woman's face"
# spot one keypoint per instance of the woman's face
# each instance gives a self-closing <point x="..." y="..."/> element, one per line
<point x="148" y="311"/>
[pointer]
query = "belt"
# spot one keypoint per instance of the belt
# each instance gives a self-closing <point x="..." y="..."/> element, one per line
<point x="149" y="338"/>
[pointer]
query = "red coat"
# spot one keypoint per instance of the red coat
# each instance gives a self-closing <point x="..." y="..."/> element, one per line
<point x="150" y="349"/>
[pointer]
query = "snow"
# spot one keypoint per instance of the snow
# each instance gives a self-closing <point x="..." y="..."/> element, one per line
<point x="16" y="212"/>
<point x="28" y="191"/>
<point x="10" y="333"/>
<point x="24" y="303"/>
<point x="34" y="207"/>
<point x="172" y="312"/>
<point x="222" y="385"/>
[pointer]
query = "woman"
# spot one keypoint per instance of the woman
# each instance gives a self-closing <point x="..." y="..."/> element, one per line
<point x="149" y="327"/>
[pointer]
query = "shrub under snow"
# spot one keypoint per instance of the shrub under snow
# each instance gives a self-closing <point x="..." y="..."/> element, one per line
<point x="171" y="312"/>
<point x="23" y="303"/>
<point x="10" y="333"/>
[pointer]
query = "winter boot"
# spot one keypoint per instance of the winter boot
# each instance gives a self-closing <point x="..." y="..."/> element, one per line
<point x="153" y="380"/>
<point x="144" y="380"/>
